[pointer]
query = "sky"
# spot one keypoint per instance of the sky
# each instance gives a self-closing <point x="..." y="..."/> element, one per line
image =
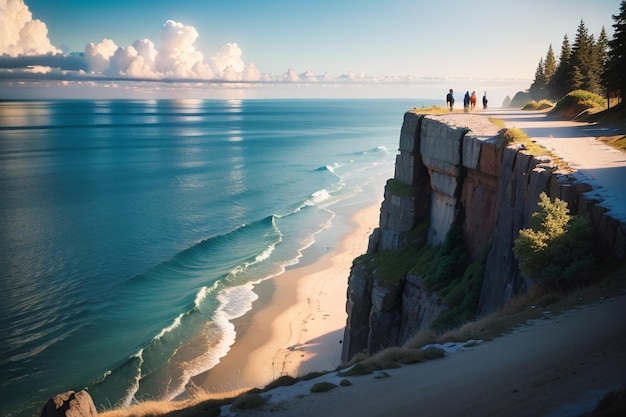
<point x="276" y="48"/>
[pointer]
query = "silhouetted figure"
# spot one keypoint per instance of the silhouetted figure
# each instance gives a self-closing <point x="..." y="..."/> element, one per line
<point x="485" y="101"/>
<point x="450" y="100"/>
<point x="466" y="101"/>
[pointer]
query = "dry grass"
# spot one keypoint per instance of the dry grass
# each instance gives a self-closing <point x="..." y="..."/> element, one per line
<point x="618" y="142"/>
<point x="517" y="135"/>
<point x="201" y="403"/>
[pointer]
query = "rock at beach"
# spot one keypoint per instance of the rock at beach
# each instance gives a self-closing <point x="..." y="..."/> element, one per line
<point x="70" y="404"/>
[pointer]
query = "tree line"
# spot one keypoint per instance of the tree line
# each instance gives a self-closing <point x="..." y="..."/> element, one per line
<point x="597" y="65"/>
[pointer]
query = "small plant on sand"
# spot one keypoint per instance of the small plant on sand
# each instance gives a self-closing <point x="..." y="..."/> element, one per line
<point x="558" y="247"/>
<point x="322" y="387"/>
<point x="248" y="401"/>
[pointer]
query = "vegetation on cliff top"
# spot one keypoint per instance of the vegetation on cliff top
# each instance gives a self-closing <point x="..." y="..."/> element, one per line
<point x="557" y="247"/>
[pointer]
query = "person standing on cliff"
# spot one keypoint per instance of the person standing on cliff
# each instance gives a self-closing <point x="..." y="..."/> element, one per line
<point x="450" y="100"/>
<point x="466" y="102"/>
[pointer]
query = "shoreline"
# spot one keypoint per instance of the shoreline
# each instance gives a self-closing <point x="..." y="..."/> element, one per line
<point x="296" y="325"/>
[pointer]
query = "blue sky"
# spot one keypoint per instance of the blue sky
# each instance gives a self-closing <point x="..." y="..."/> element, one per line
<point x="484" y="41"/>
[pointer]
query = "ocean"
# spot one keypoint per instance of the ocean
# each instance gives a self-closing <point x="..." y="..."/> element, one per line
<point x="132" y="232"/>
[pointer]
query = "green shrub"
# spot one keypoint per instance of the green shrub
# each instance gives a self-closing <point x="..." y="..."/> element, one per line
<point x="558" y="247"/>
<point x="541" y="105"/>
<point x="531" y="105"/>
<point x="544" y="104"/>
<point x="576" y="102"/>
<point x="248" y="401"/>
<point x="282" y="381"/>
<point x="397" y="187"/>
<point x="322" y="387"/>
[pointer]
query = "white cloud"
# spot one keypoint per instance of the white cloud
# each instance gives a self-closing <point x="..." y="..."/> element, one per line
<point x="175" y="57"/>
<point x="20" y="34"/>
<point x="99" y="55"/>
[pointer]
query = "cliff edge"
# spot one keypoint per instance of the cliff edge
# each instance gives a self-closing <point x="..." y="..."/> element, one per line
<point x="456" y="170"/>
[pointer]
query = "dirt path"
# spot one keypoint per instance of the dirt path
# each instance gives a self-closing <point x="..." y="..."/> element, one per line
<point x="597" y="164"/>
<point x="552" y="367"/>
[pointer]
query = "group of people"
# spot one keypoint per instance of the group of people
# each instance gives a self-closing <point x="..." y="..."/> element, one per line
<point x="469" y="101"/>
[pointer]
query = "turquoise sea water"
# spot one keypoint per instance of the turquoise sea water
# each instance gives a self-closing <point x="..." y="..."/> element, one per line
<point x="131" y="232"/>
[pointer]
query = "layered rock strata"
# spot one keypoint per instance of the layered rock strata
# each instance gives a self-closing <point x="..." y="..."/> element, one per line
<point x="457" y="168"/>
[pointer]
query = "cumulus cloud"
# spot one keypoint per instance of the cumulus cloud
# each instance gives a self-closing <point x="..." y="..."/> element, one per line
<point x="99" y="55"/>
<point x="25" y="50"/>
<point x="20" y="34"/>
<point x="175" y="57"/>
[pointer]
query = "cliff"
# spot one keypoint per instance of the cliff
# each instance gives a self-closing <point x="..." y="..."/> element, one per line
<point x="455" y="170"/>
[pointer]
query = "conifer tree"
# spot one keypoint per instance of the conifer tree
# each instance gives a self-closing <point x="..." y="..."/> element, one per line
<point x="561" y="83"/>
<point x="615" y="72"/>
<point x="538" y="87"/>
<point x="583" y="73"/>
<point x="602" y="48"/>
<point x="549" y="65"/>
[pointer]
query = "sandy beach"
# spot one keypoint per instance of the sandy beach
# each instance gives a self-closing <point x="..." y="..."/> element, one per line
<point x="296" y="326"/>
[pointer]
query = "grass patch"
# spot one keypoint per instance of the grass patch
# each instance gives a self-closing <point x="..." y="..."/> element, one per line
<point x="497" y="122"/>
<point x="282" y="381"/>
<point x="322" y="387"/>
<point x="391" y="266"/>
<point x="390" y="358"/>
<point x="517" y="135"/>
<point x="541" y="105"/>
<point x="618" y="142"/>
<point x="248" y="401"/>
<point x="399" y="188"/>
<point x="576" y="102"/>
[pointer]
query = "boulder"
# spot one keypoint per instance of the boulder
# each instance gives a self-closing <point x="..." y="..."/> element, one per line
<point x="70" y="404"/>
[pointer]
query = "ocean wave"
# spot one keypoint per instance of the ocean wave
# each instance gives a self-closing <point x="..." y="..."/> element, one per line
<point x="329" y="168"/>
<point x="169" y="328"/>
<point x="134" y="386"/>
<point x="202" y="294"/>
<point x="381" y="149"/>
<point x="318" y="197"/>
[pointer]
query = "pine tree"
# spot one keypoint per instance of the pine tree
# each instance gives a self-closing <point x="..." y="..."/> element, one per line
<point x="602" y="47"/>
<point x="615" y="71"/>
<point x="549" y="65"/>
<point x="582" y="59"/>
<point x="538" y="87"/>
<point x="561" y="82"/>
<point x="593" y="76"/>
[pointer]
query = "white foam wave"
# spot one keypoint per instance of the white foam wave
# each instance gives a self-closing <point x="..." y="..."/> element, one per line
<point x="234" y="303"/>
<point x="378" y="149"/>
<point x="316" y="198"/>
<point x="203" y="293"/>
<point x="169" y="328"/>
<point x="237" y="301"/>
<point x="134" y="386"/>
<point x="258" y="259"/>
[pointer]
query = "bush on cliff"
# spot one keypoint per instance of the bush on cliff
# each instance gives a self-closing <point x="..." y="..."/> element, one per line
<point x="541" y="105"/>
<point x="577" y="102"/>
<point x="558" y="247"/>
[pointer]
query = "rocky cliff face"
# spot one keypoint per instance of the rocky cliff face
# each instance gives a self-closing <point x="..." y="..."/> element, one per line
<point x="455" y="168"/>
